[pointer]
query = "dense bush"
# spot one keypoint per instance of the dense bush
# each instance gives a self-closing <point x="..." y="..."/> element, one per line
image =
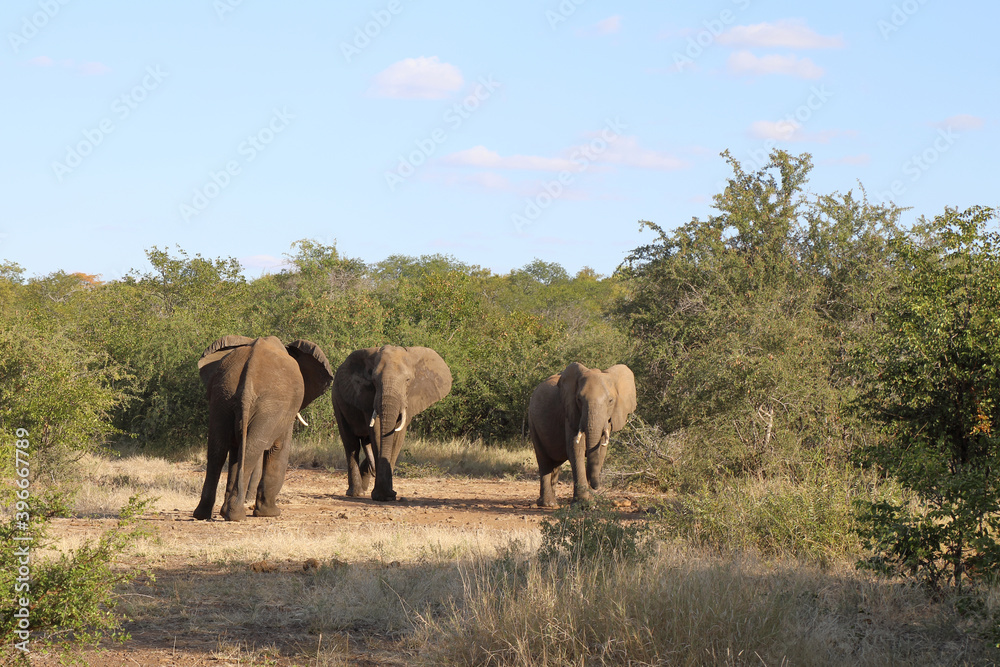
<point x="58" y="395"/>
<point x="738" y="320"/>
<point x="930" y="377"/>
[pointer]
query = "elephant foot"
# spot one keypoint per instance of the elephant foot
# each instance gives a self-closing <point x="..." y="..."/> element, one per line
<point x="583" y="498"/>
<point x="203" y="514"/>
<point x="266" y="510"/>
<point x="234" y="514"/>
<point x="383" y="496"/>
<point x="547" y="502"/>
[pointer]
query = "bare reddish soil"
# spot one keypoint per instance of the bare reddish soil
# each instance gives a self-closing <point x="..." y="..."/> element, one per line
<point x="311" y="501"/>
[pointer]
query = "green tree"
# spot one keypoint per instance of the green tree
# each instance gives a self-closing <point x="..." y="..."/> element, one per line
<point x="737" y="321"/>
<point x="930" y="370"/>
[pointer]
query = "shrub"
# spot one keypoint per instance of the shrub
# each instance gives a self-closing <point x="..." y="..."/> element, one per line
<point x="73" y="595"/>
<point x="580" y="533"/>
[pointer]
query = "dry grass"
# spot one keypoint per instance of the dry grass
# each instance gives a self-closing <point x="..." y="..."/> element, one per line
<point x="459" y="457"/>
<point x="108" y="483"/>
<point x="688" y="607"/>
<point x="447" y="595"/>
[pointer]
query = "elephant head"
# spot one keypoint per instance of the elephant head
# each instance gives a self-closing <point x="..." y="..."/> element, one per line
<point x="377" y="392"/>
<point x="255" y="387"/>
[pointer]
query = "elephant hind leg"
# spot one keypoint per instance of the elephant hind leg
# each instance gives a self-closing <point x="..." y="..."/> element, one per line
<point x="367" y="468"/>
<point x="220" y="439"/>
<point x="548" y="472"/>
<point x="357" y="483"/>
<point x="274" y="466"/>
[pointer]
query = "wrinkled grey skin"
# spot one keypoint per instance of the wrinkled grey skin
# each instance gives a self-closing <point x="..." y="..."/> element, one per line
<point x="255" y="388"/>
<point x="571" y="417"/>
<point x="376" y="393"/>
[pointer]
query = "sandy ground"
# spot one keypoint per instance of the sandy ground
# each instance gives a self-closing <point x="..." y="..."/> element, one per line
<point x="312" y="503"/>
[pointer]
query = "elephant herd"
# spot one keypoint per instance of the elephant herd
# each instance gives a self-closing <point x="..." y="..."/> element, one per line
<point x="257" y="388"/>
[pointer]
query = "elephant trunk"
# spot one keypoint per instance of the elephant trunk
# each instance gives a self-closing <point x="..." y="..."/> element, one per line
<point x="597" y="431"/>
<point x="391" y="410"/>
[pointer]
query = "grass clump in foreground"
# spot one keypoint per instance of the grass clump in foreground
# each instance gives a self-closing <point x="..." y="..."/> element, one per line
<point x="602" y="592"/>
<point x="683" y="606"/>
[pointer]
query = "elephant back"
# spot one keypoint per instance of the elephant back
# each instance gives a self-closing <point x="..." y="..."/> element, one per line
<point x="211" y="358"/>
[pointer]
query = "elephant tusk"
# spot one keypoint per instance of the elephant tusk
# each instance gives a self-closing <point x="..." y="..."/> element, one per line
<point x="304" y="422"/>
<point x="578" y="438"/>
<point x="372" y="422"/>
<point x="402" y="422"/>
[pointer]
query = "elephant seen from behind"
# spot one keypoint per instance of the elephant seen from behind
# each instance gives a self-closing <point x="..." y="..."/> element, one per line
<point x="571" y="417"/>
<point x="376" y="393"/>
<point x="256" y="388"/>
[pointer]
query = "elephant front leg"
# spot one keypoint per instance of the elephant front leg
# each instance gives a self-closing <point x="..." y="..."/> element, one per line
<point x="383" y="481"/>
<point x="386" y="461"/>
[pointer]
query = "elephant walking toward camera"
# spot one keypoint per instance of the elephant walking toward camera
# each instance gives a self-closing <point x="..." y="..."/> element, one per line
<point x="256" y="388"/>
<point x="571" y="417"/>
<point x="376" y="393"/>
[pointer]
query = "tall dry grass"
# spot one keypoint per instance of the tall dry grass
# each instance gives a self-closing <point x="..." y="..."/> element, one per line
<point x="686" y="606"/>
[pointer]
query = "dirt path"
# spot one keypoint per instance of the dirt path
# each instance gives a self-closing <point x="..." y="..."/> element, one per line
<point x="312" y="504"/>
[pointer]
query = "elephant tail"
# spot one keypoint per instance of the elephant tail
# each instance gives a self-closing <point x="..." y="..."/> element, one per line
<point x="241" y="479"/>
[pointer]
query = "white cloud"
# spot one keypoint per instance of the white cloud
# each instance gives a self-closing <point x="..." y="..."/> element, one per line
<point x="480" y="156"/>
<point x="623" y="151"/>
<point x="627" y="152"/>
<point x="610" y="25"/>
<point x="859" y="160"/>
<point x="263" y="263"/>
<point x="962" y="121"/>
<point x="746" y="63"/>
<point x="86" y="69"/>
<point x="789" y="131"/>
<point x="779" y="130"/>
<point x="787" y="33"/>
<point x="93" y="69"/>
<point x="417" y="79"/>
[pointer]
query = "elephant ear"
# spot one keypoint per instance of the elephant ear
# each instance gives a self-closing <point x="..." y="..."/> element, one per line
<point x="569" y="381"/>
<point x="353" y="381"/>
<point x="431" y="379"/>
<point x="625" y="404"/>
<point x="214" y="353"/>
<point x="316" y="372"/>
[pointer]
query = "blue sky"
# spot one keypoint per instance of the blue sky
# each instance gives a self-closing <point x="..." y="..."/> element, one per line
<point x="492" y="132"/>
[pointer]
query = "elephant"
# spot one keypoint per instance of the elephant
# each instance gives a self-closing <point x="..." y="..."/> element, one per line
<point x="376" y="394"/>
<point x="256" y="388"/>
<point x="571" y="416"/>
